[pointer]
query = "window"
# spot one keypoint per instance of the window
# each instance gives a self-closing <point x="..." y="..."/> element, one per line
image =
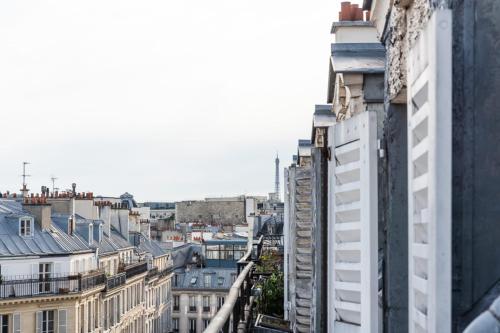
<point x="45" y="321"/>
<point x="44" y="274"/>
<point x="175" y="324"/>
<point x="192" y="325"/>
<point x="206" y="304"/>
<point x="220" y="280"/>
<point x="220" y="302"/>
<point x="175" y="280"/>
<point x="206" y="322"/>
<point x="176" y="303"/>
<point x="4" y="323"/>
<point x="208" y="280"/>
<point x="193" y="280"/>
<point x="192" y="303"/>
<point x="26" y="227"/>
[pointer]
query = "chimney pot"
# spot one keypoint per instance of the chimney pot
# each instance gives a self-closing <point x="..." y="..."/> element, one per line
<point x="345" y="11"/>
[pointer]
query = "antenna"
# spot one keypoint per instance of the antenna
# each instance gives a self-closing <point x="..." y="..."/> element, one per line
<point x="24" y="189"/>
<point x="54" y="188"/>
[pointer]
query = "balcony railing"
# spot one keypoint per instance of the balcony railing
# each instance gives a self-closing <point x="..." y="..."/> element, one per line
<point x="136" y="268"/>
<point x="235" y="314"/>
<point x="152" y="273"/>
<point x="115" y="281"/>
<point x="35" y="286"/>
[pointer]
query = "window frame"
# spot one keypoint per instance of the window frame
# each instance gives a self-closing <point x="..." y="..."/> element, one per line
<point x="26" y="227"/>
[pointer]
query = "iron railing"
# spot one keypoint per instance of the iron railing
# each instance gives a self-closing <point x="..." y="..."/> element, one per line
<point x="115" y="281"/>
<point x="235" y="314"/>
<point x="36" y="285"/>
<point x="135" y="269"/>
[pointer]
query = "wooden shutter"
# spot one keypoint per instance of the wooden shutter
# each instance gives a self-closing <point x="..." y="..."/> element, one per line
<point x="429" y="177"/>
<point x="16" y="323"/>
<point x="39" y="321"/>
<point x="62" y="321"/>
<point x="353" y="230"/>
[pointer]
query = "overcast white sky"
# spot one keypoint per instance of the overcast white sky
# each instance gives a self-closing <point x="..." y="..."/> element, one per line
<point x="168" y="100"/>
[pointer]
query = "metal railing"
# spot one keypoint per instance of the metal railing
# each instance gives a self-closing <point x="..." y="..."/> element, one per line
<point x="36" y="285"/>
<point x="135" y="269"/>
<point x="115" y="281"/>
<point x="234" y="313"/>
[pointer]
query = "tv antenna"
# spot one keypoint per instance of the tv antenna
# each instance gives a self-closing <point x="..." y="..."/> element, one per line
<point x="54" y="188"/>
<point x="24" y="189"/>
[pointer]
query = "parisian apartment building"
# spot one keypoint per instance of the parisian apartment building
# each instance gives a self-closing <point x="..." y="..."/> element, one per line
<point x="391" y="205"/>
<point x="72" y="262"/>
<point x="202" y="281"/>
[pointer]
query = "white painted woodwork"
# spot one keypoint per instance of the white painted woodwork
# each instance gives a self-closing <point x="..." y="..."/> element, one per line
<point x="429" y="177"/>
<point x="352" y="226"/>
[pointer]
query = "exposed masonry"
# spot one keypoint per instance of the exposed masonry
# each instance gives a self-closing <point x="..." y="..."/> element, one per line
<point x="405" y="23"/>
<point x="303" y="248"/>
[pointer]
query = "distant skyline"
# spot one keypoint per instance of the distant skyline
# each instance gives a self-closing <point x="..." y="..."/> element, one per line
<point x="165" y="100"/>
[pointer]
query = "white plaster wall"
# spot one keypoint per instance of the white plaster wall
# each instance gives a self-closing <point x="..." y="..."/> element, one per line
<point x="356" y="35"/>
<point x="63" y="265"/>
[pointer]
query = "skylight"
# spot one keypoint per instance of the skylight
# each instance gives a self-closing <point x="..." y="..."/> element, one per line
<point x="193" y="280"/>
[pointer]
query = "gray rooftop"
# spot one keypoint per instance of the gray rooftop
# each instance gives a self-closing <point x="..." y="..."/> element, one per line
<point x="221" y="278"/>
<point x="367" y="58"/>
<point x="54" y="241"/>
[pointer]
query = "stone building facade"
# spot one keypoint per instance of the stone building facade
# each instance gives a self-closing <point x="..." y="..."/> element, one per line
<point x="299" y="240"/>
<point x="213" y="211"/>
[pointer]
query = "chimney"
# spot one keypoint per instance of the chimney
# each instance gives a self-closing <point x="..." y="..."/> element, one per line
<point x="105" y="216"/>
<point x="40" y="209"/>
<point x="71" y="225"/>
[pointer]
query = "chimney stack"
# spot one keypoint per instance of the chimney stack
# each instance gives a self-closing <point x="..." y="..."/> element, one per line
<point x="40" y="209"/>
<point x="351" y="12"/>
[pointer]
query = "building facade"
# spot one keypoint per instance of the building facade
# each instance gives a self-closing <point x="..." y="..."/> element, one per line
<point x="70" y="263"/>
<point x="402" y="171"/>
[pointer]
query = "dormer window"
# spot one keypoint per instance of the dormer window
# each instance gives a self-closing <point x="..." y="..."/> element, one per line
<point x="26" y="227"/>
<point x="91" y="234"/>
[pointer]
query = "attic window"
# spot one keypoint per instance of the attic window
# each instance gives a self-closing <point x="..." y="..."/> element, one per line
<point x="26" y="227"/>
<point x="220" y="280"/>
<point x="193" y="280"/>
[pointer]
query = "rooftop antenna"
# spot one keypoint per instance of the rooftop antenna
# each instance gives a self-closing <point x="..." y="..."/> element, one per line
<point x="54" y="188"/>
<point x="277" y="178"/>
<point x="24" y="189"/>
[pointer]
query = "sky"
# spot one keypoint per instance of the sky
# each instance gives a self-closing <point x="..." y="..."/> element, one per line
<point x="167" y="100"/>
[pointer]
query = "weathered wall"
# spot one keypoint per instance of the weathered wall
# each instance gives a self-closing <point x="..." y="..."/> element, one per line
<point x="394" y="203"/>
<point x="319" y="180"/>
<point x="225" y="212"/>
<point x="476" y="157"/>
<point x="403" y="27"/>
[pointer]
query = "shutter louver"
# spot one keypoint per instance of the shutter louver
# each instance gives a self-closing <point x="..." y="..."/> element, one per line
<point x="353" y="223"/>
<point x="61" y="319"/>
<point x="429" y="177"/>
<point x="16" y="323"/>
<point x="39" y="321"/>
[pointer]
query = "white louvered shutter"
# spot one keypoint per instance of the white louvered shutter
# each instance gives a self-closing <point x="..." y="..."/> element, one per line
<point x="39" y="321"/>
<point x="429" y="177"/>
<point x="353" y="231"/>
<point x="16" y="323"/>
<point x="61" y="321"/>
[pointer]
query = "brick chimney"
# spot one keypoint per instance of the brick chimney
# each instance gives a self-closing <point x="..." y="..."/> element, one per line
<point x="40" y="209"/>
